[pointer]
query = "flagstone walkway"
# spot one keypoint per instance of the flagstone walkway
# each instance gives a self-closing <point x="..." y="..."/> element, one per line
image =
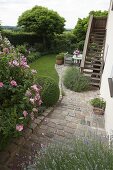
<point x="73" y="116"/>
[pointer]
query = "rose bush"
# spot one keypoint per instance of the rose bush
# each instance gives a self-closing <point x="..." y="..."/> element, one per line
<point x="19" y="97"/>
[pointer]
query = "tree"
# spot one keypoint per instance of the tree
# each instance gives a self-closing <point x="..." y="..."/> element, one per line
<point x="82" y="24"/>
<point x="42" y="21"/>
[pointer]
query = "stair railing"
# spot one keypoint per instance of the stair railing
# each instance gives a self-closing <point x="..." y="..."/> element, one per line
<point x="86" y="43"/>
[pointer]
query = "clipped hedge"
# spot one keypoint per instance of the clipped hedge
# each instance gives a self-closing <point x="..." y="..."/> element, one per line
<point x="76" y="81"/>
<point x="50" y="90"/>
<point x="20" y="38"/>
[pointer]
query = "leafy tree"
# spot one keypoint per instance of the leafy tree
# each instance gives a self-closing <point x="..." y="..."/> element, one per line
<point x="81" y="27"/>
<point x="42" y="21"/>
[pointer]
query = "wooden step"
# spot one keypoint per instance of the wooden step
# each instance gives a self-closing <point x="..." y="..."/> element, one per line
<point x="92" y="68"/>
<point x="99" y="29"/>
<point x="95" y="78"/>
<point x="87" y="72"/>
<point x="96" y="74"/>
<point x="95" y="84"/>
<point x="92" y="64"/>
<point x="98" y="34"/>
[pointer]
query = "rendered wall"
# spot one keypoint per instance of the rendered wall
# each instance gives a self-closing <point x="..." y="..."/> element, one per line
<point x="108" y="70"/>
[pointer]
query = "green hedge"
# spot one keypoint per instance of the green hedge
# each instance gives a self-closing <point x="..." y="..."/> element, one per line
<point x="50" y="90"/>
<point x="20" y="38"/>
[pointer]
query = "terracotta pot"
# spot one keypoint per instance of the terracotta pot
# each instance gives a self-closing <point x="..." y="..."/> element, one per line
<point x="98" y="111"/>
<point x="59" y="62"/>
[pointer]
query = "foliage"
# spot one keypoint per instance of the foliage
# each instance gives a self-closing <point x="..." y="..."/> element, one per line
<point x="60" y="56"/>
<point x="22" y="49"/>
<point x="76" y="81"/>
<point x="45" y="66"/>
<point x="82" y="25"/>
<point x="42" y="21"/>
<point x="89" y="153"/>
<point x="19" y="97"/>
<point x="32" y="56"/>
<point x="63" y="42"/>
<point x="97" y="102"/>
<point x="20" y="38"/>
<point x="50" y="91"/>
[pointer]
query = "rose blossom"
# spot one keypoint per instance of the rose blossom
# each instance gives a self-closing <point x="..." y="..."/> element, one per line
<point x="1" y="84"/>
<point x="32" y="100"/>
<point x="19" y="127"/>
<point x="13" y="83"/>
<point x="35" y="110"/>
<point x="37" y="97"/>
<point x="34" y="87"/>
<point x="33" y="71"/>
<point x="6" y="50"/>
<point x="15" y="63"/>
<point x="25" y="113"/>
<point x="28" y="93"/>
<point x="39" y="102"/>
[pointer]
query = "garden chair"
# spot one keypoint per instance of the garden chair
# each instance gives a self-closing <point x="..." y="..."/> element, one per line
<point x="68" y="59"/>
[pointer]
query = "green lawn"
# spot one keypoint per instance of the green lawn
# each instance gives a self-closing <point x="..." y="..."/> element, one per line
<point x="45" y="66"/>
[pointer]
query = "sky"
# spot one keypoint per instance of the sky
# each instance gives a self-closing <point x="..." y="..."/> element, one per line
<point x="71" y="10"/>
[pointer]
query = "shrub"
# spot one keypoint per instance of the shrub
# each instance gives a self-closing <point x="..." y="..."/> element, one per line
<point x="19" y="96"/>
<point x="78" y="154"/>
<point x="50" y="91"/>
<point x="20" y="38"/>
<point x="33" y="56"/>
<point x="97" y="102"/>
<point x="22" y="49"/>
<point x="60" y="56"/>
<point x="76" y="81"/>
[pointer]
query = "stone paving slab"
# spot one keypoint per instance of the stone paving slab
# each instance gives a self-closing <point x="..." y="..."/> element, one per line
<point x="70" y="118"/>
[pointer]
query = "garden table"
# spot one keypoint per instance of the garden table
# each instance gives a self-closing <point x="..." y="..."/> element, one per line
<point x="77" y="59"/>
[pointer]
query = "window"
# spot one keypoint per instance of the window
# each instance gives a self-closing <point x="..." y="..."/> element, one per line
<point x="112" y="6"/>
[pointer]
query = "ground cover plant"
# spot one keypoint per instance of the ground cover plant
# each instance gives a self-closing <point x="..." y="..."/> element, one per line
<point x="45" y="66"/>
<point x="76" y="81"/>
<point x="19" y="96"/>
<point x="87" y="153"/>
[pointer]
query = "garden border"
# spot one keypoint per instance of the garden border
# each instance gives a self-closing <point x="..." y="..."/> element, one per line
<point x="14" y="147"/>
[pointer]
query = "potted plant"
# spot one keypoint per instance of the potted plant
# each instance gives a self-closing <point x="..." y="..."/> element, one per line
<point x="99" y="106"/>
<point x="60" y="58"/>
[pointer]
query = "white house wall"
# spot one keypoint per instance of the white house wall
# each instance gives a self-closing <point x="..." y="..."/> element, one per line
<point x="108" y="57"/>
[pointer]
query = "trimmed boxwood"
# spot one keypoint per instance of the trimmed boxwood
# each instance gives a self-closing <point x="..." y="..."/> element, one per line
<point x="50" y="90"/>
<point x="76" y="81"/>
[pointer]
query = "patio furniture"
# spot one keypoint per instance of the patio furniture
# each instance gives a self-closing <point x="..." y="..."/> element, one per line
<point x="68" y="59"/>
<point x="77" y="59"/>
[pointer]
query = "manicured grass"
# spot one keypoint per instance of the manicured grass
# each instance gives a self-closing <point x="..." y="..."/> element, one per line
<point x="45" y="66"/>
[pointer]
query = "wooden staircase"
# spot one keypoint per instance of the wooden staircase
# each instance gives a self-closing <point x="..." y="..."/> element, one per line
<point x="92" y="62"/>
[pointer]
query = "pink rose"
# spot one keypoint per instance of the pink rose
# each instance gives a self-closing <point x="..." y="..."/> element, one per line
<point x="13" y="83"/>
<point x="25" y="113"/>
<point x="35" y="88"/>
<point x="1" y="84"/>
<point x="40" y="102"/>
<point x="6" y="50"/>
<point x="19" y="127"/>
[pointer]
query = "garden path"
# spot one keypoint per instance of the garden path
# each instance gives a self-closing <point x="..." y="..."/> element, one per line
<point x="71" y="117"/>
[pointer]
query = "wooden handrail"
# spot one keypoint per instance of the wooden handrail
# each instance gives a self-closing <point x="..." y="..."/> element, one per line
<point x="86" y="42"/>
